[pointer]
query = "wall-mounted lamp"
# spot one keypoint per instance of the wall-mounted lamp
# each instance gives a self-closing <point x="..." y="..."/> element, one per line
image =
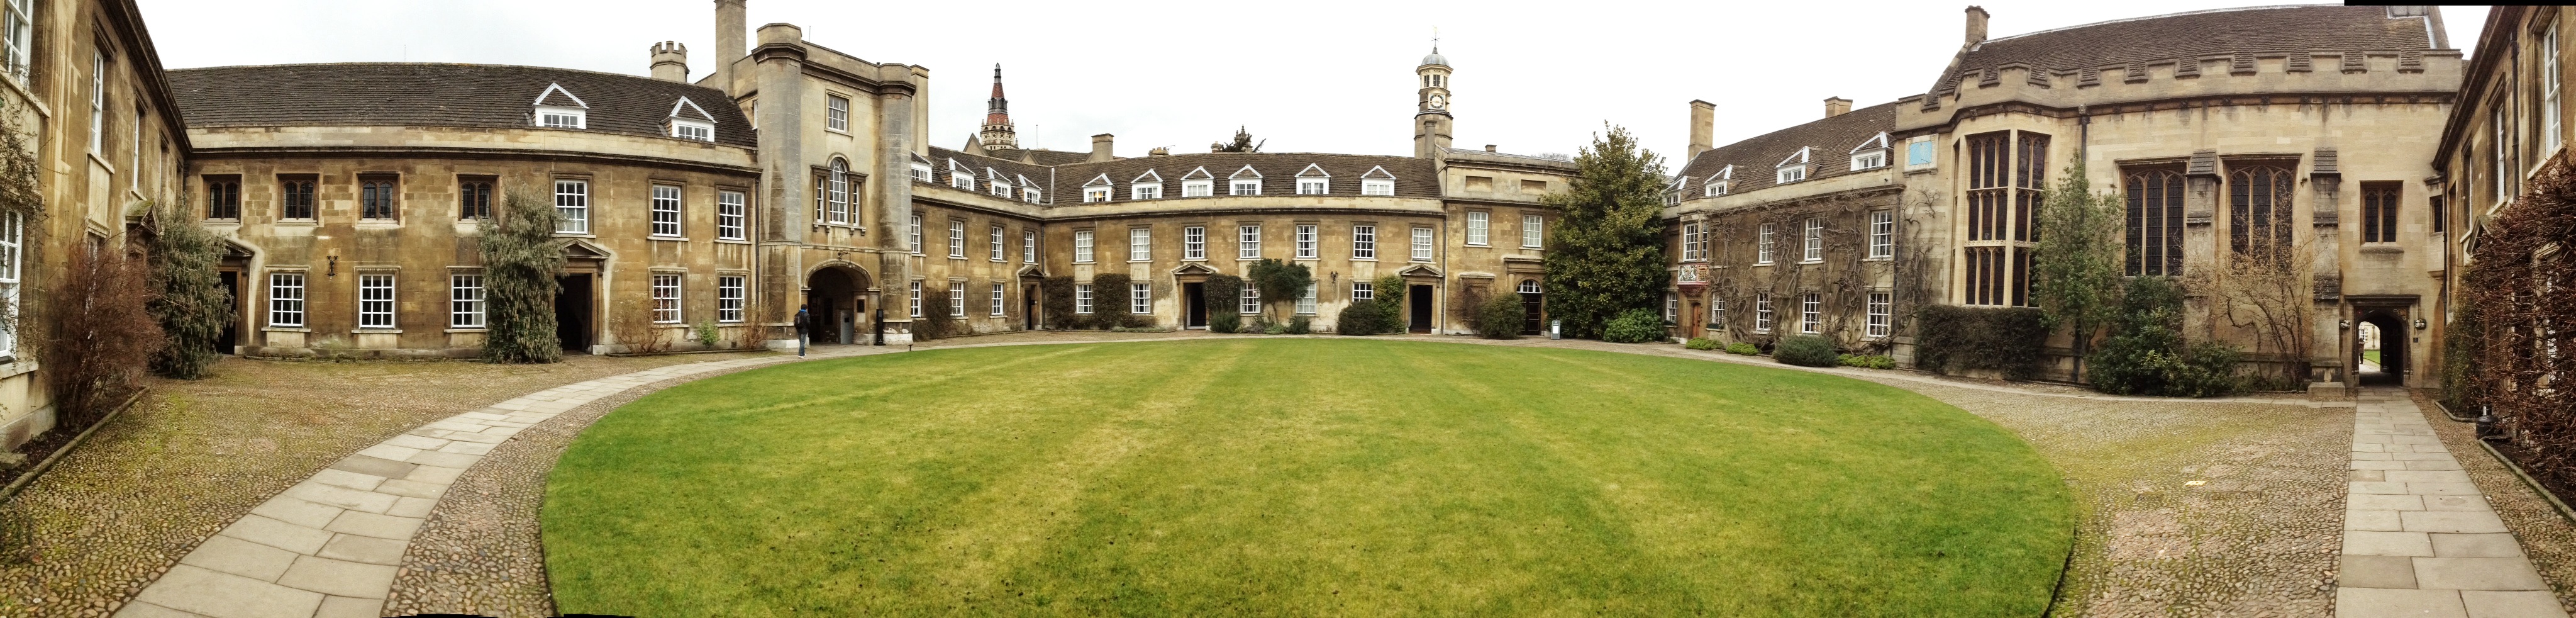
<point x="334" y="267"/>
<point x="2343" y="324"/>
<point x="2419" y="324"/>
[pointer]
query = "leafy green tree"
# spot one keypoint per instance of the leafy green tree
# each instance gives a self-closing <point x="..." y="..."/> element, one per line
<point x="1242" y="142"/>
<point x="521" y="258"/>
<point x="1605" y="256"/>
<point x="1279" y="281"/>
<point x="2076" y="267"/>
<point x="193" y="305"/>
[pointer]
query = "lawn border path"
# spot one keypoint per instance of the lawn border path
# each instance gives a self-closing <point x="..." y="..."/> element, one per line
<point x="334" y="544"/>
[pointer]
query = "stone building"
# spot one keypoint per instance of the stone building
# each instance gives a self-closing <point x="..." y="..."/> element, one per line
<point x="2237" y="139"/>
<point x="356" y="195"/>
<point x="82" y="79"/>
<point x="2510" y="125"/>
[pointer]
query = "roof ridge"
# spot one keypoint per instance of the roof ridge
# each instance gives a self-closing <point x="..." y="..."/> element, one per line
<point x="2148" y="17"/>
<point x="433" y="64"/>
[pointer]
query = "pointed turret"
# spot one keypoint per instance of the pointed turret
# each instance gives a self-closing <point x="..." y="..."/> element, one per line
<point x="997" y="131"/>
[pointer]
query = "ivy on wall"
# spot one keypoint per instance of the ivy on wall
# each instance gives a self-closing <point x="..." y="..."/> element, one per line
<point x="2520" y="329"/>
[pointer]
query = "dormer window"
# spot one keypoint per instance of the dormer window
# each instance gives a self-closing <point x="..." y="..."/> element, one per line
<point x="921" y="171"/>
<point x="1313" y="181"/>
<point x="1377" y="182"/>
<point x="1028" y="190"/>
<point x="1097" y="190"/>
<point x="1147" y="186"/>
<point x="1244" y="182"/>
<point x="959" y="177"/>
<point x="562" y="117"/>
<point x="1000" y="186"/>
<point x="1714" y="188"/>
<point x="1794" y="168"/>
<point x="557" y="108"/>
<point x="1870" y="155"/>
<point x="1198" y="183"/>
<point x="691" y="123"/>
<point x="1720" y="182"/>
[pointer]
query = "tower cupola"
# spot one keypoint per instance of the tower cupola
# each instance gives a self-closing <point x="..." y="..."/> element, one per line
<point x="1431" y="119"/>
<point x="997" y="131"/>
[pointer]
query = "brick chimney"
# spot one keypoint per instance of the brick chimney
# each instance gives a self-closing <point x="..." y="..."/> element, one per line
<point x="1703" y="129"/>
<point x="1976" y="25"/>
<point x="671" y="62"/>
<point x="1490" y="148"/>
<point x="1836" y="106"/>
<point x="730" y="33"/>
<point x="1101" y="147"/>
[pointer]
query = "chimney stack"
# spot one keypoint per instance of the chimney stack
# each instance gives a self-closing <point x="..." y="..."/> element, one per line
<point x="1100" y="148"/>
<point x="671" y="62"/>
<point x="1490" y="148"/>
<point x="1703" y="129"/>
<point x="1159" y="151"/>
<point x="1836" y="106"/>
<point x="730" y="33"/>
<point x="1976" y="25"/>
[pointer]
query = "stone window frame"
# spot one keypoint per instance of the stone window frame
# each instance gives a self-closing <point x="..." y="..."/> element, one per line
<point x="466" y="310"/>
<point x="1193" y="243"/>
<point x="379" y="314"/>
<point x="836" y="112"/>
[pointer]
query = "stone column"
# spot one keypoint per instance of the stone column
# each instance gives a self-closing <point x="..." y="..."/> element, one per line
<point x="894" y="173"/>
<point x="2200" y="241"/>
<point x="779" y="72"/>
<point x="2326" y="346"/>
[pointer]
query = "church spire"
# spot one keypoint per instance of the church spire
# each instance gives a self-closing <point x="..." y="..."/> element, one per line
<point x="997" y="131"/>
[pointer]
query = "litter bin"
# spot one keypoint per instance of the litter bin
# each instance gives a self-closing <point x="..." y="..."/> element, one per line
<point x="1556" y="329"/>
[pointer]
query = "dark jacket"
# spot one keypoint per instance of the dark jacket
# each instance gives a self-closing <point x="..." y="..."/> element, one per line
<point x="802" y="323"/>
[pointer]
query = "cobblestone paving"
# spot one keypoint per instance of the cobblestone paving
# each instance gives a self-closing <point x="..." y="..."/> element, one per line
<point x="2548" y="539"/>
<point x="192" y="457"/>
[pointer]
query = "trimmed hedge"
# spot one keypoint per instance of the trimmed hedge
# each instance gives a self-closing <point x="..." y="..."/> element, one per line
<point x="935" y="323"/>
<point x="1806" y="351"/>
<point x="1746" y="349"/>
<point x="1058" y="305"/>
<point x="2007" y="339"/>
<point x="1362" y="317"/>
<point x="1109" y="299"/>
<point x="1217" y="294"/>
<point x="1635" y="326"/>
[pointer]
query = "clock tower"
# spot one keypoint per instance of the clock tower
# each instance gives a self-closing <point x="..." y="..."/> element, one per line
<point x="1431" y="115"/>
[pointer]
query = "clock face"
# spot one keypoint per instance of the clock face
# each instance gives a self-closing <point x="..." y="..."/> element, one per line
<point x="1439" y="101"/>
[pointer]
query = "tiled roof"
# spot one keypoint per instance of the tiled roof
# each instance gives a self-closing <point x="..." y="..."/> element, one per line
<point x="1413" y="177"/>
<point x="423" y="94"/>
<point x="1042" y="156"/>
<point x="1757" y="159"/>
<point x="2123" y="44"/>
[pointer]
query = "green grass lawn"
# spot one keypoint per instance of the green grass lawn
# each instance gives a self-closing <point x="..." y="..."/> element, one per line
<point x="1298" y="477"/>
<point x="2370" y="355"/>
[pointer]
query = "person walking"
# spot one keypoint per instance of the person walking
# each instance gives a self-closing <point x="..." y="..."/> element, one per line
<point x="804" y="324"/>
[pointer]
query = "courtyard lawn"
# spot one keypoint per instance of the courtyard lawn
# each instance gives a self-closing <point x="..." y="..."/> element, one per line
<point x="1298" y="477"/>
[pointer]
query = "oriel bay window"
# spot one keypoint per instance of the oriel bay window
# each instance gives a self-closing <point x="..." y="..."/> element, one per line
<point x="2154" y="222"/>
<point x="2007" y="177"/>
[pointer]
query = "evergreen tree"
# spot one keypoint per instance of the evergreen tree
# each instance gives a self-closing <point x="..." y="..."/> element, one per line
<point x="193" y="305"/>
<point x="521" y="258"/>
<point x="2076" y="267"/>
<point x="1279" y="281"/>
<point x="1605" y="255"/>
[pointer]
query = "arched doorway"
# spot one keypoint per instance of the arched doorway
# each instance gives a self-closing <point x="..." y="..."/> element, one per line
<point x="2379" y="347"/>
<point x="1531" y="303"/>
<point x="836" y="299"/>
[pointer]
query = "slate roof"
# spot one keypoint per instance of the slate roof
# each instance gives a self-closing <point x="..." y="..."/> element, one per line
<point x="1757" y="159"/>
<point x="430" y="94"/>
<point x="1413" y="177"/>
<point x="2115" y="45"/>
<point x="1042" y="156"/>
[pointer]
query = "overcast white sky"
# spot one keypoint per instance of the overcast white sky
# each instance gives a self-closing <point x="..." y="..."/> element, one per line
<point x="1325" y="76"/>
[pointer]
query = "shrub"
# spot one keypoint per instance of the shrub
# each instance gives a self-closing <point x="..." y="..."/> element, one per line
<point x="1635" y="326"/>
<point x="521" y="258"/>
<point x="1700" y="343"/>
<point x="2006" y="339"/>
<point x="2146" y="355"/>
<point x="1278" y="281"/>
<point x="707" y="334"/>
<point x="935" y="323"/>
<point x="99" y="336"/>
<point x="1746" y="349"/>
<point x="1362" y="317"/>
<point x="1391" y="291"/>
<point x="1866" y="361"/>
<point x="1301" y="325"/>
<point x="1059" y="303"/>
<point x="1275" y="328"/>
<point x="1806" y="351"/>
<point x="1216" y="291"/>
<point x="1139" y="320"/>
<point x="192" y="306"/>
<point x="1108" y="300"/>
<point x="1500" y="317"/>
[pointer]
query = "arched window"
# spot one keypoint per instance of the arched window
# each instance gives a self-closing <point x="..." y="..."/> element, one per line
<point x="838" y="210"/>
<point x="1529" y="286"/>
<point x="2155" y="222"/>
<point x="2258" y="199"/>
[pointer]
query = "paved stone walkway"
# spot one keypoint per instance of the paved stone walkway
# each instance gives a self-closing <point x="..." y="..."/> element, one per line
<point x="2419" y="538"/>
<point x="329" y="546"/>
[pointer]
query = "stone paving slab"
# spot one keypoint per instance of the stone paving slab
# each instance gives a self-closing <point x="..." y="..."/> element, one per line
<point x="2421" y="540"/>
<point x="331" y="545"/>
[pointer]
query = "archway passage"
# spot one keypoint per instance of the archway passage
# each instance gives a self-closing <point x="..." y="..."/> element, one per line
<point x="2380" y="349"/>
<point x="836" y="299"/>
